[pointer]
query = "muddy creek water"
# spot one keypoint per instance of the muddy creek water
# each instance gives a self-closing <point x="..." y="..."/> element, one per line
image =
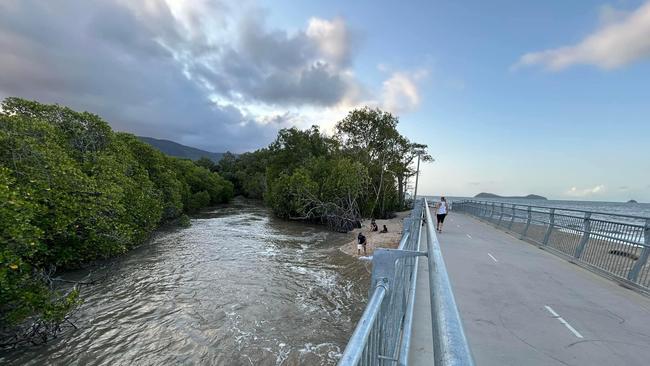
<point x="238" y="287"/>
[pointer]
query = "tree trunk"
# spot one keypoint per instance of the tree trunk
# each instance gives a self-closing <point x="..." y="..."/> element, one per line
<point x="381" y="182"/>
<point x="400" y="190"/>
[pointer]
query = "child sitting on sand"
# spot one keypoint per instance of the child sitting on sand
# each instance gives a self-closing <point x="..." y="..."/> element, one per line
<point x="373" y="225"/>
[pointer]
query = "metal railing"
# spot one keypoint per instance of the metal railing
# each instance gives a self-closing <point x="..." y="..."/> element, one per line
<point x="616" y="245"/>
<point x="450" y="345"/>
<point x="377" y="337"/>
<point x="383" y="334"/>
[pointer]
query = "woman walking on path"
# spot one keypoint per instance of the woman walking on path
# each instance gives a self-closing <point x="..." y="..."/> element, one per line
<point x="441" y="212"/>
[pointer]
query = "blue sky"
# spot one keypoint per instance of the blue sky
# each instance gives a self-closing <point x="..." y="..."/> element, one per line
<point x="513" y="97"/>
<point x="498" y="128"/>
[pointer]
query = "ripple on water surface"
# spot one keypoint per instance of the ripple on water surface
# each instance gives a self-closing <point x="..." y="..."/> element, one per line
<point x="238" y="287"/>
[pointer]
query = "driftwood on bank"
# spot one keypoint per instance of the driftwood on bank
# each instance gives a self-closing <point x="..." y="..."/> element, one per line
<point x="341" y="216"/>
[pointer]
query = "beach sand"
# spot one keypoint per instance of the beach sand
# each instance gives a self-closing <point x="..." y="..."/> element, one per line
<point x="374" y="238"/>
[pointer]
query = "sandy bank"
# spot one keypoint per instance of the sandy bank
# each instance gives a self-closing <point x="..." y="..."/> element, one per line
<point x="376" y="239"/>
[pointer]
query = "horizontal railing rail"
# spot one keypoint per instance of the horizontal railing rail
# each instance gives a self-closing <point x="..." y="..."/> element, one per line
<point x="450" y="346"/>
<point x="383" y="334"/>
<point x="617" y="245"/>
<point x="379" y="336"/>
<point x="542" y="208"/>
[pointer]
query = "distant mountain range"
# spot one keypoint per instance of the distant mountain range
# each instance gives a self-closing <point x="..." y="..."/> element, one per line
<point x="180" y="151"/>
<point x="492" y="195"/>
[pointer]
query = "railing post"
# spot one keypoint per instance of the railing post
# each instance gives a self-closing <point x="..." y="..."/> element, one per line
<point x="492" y="211"/>
<point x="530" y="216"/>
<point x="512" y="220"/>
<point x="500" y="215"/>
<point x="551" y="223"/>
<point x="586" y="226"/>
<point x="633" y="275"/>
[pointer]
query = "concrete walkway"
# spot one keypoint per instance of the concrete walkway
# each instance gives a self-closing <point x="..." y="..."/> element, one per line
<point x="523" y="306"/>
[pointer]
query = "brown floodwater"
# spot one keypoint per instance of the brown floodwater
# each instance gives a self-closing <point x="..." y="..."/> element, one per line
<point x="238" y="287"/>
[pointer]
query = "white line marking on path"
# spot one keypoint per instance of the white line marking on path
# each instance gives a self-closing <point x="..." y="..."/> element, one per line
<point x="558" y="317"/>
<point x="494" y="259"/>
<point x="469" y="236"/>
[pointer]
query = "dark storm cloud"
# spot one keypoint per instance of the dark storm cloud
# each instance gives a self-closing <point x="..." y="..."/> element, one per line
<point x="146" y="72"/>
<point x="271" y="66"/>
<point x="313" y="85"/>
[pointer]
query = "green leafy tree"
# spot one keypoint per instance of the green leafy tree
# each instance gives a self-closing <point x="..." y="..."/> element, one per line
<point x="403" y="167"/>
<point x="206" y="163"/>
<point x="72" y="191"/>
<point x="293" y="196"/>
<point x="251" y="173"/>
<point x="304" y="174"/>
<point x="160" y="169"/>
<point x="371" y="134"/>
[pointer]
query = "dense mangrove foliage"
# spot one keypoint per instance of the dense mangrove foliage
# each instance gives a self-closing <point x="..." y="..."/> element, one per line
<point x="73" y="191"/>
<point x="362" y="170"/>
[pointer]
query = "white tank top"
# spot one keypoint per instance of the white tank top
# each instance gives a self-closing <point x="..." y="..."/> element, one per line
<point x="442" y="209"/>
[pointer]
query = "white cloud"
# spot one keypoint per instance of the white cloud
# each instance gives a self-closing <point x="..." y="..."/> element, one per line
<point x="332" y="38"/>
<point x="609" y="14"/>
<point x="209" y="73"/>
<point x="585" y="192"/>
<point x="400" y="92"/>
<point x="621" y="39"/>
<point x="383" y="67"/>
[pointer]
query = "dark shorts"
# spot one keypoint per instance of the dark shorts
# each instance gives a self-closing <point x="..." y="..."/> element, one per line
<point x="441" y="218"/>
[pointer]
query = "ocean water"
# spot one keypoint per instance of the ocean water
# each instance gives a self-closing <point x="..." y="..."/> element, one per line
<point x="608" y="208"/>
<point x="618" y="221"/>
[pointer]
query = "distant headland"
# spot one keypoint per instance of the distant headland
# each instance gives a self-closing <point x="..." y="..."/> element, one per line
<point x="632" y="201"/>
<point x="492" y="195"/>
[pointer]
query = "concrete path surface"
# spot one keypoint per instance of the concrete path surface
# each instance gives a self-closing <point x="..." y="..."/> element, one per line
<point x="521" y="305"/>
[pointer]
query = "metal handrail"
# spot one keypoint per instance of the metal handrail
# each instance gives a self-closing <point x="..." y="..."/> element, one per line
<point x="410" y="307"/>
<point x="383" y="334"/>
<point x="615" y="245"/>
<point x="356" y="348"/>
<point x="377" y="339"/>
<point x="450" y="345"/>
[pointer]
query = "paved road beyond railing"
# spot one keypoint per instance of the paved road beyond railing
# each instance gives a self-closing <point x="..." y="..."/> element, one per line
<point x="617" y="246"/>
<point x="383" y="334"/>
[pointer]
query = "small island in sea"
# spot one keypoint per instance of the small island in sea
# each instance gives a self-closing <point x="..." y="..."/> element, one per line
<point x="632" y="201"/>
<point x="492" y="195"/>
